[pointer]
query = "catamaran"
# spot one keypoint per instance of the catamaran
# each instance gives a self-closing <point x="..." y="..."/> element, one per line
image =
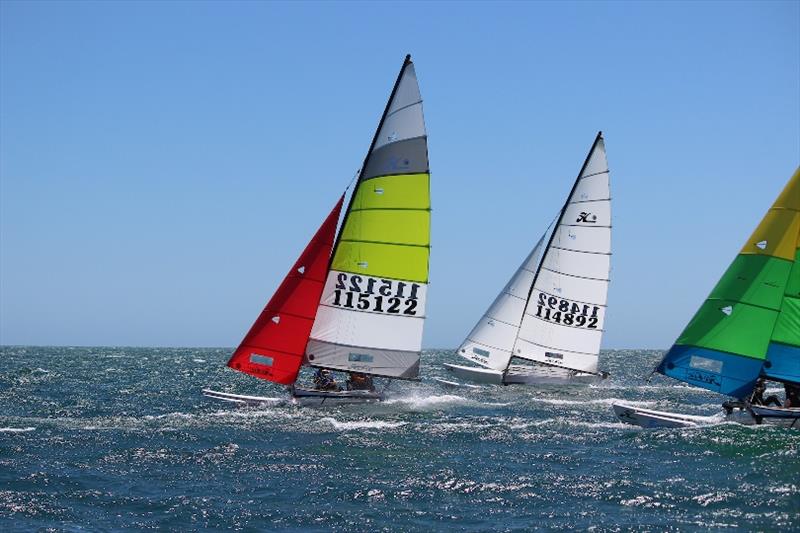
<point x="546" y="325"/>
<point x="355" y="300"/>
<point x="747" y="332"/>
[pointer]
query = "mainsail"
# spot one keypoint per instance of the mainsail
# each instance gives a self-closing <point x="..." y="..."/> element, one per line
<point x="273" y="348"/>
<point x="552" y="310"/>
<point x="750" y="323"/>
<point x="372" y="309"/>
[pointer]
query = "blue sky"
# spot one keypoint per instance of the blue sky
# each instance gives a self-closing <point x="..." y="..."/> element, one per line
<point x="163" y="164"/>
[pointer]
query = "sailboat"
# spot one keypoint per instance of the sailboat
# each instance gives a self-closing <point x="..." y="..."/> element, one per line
<point x="748" y="329"/>
<point x="354" y="301"/>
<point x="546" y="324"/>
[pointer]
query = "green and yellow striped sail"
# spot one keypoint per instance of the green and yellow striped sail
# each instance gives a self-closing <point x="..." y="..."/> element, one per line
<point x="372" y="309"/>
<point x="750" y="323"/>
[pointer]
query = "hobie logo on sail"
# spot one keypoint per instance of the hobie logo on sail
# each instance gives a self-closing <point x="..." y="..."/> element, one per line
<point x="727" y="309"/>
<point x="587" y="217"/>
<point x="761" y="245"/>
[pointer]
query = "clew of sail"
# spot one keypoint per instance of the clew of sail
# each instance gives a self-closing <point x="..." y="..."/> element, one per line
<point x="491" y="341"/>
<point x="565" y="312"/>
<point x="273" y="348"/>
<point x="750" y="323"/>
<point x="372" y="308"/>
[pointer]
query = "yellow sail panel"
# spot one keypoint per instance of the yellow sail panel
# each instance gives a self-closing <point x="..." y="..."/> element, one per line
<point x="776" y="235"/>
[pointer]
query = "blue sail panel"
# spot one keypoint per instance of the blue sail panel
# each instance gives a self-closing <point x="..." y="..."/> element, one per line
<point x="717" y="371"/>
<point x="783" y="362"/>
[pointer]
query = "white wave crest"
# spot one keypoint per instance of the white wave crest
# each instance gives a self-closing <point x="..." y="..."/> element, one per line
<point x="362" y="424"/>
<point x="16" y="430"/>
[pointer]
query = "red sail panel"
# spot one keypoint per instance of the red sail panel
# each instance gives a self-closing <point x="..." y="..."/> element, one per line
<point x="273" y="348"/>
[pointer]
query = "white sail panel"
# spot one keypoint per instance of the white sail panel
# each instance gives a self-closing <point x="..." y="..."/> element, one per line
<point x="582" y="290"/>
<point x="593" y="214"/>
<point x="378" y="318"/>
<point x="566" y="310"/>
<point x="583" y="239"/>
<point x="577" y="264"/>
<point x="556" y="356"/>
<point x="491" y="340"/>
<point x="405" y="123"/>
<point x="407" y="92"/>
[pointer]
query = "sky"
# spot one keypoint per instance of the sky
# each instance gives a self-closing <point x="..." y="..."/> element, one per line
<point x="163" y="164"/>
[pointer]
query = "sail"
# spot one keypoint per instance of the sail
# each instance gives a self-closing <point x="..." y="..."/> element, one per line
<point x="750" y="323"/>
<point x="564" y="316"/>
<point x="491" y="341"/>
<point x="273" y="348"/>
<point x="372" y="308"/>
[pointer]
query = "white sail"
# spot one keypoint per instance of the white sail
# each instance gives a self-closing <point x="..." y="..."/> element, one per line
<point x="491" y="341"/>
<point x="565" y="314"/>
<point x="372" y="309"/>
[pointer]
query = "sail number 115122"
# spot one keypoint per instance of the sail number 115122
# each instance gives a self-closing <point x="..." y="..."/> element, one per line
<point x="365" y="293"/>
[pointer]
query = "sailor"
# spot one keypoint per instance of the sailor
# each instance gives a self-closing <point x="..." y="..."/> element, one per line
<point x="359" y="381"/>
<point x="758" y="395"/>
<point x="792" y="395"/>
<point x="323" y="380"/>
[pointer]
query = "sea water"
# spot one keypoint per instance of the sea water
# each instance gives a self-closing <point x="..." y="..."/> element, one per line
<point x="108" y="439"/>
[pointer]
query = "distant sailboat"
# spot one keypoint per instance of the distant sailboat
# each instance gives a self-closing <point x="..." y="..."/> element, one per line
<point x="748" y="329"/>
<point x="551" y="314"/>
<point x="355" y="302"/>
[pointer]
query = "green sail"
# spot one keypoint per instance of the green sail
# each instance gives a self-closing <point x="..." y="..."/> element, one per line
<point x="750" y="323"/>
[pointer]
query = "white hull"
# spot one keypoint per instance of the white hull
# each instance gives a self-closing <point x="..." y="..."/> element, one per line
<point x="301" y="396"/>
<point x="753" y="415"/>
<point x="240" y="399"/>
<point x="521" y="375"/>
<point x="648" y="418"/>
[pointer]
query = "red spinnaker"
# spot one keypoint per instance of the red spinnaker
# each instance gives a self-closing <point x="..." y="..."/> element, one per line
<point x="273" y="348"/>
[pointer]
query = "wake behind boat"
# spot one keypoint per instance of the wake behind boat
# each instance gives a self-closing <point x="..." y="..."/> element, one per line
<point x="547" y="323"/>
<point x="354" y="301"/>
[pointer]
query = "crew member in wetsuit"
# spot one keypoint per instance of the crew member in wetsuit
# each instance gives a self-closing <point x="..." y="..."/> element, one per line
<point x="359" y="381"/>
<point x="323" y="380"/>
<point x="792" y="395"/>
<point x="758" y="395"/>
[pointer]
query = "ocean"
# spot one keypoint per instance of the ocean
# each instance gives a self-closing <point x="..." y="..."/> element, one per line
<point x="121" y="439"/>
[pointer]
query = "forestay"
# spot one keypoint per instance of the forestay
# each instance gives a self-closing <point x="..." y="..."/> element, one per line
<point x="565" y="313"/>
<point x="372" y="308"/>
<point x="750" y="323"/>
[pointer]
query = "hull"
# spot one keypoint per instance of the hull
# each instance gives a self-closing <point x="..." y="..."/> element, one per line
<point x="319" y="397"/>
<point x="522" y="375"/>
<point x="745" y="413"/>
<point x="648" y="418"/>
<point x="739" y="413"/>
<point x="240" y="399"/>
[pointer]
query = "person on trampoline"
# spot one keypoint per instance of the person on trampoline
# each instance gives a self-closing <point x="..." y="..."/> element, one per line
<point x="758" y="395"/>
<point x="323" y="380"/>
<point x="359" y="381"/>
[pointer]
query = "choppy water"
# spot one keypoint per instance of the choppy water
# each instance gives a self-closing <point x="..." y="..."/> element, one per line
<point x="121" y="439"/>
